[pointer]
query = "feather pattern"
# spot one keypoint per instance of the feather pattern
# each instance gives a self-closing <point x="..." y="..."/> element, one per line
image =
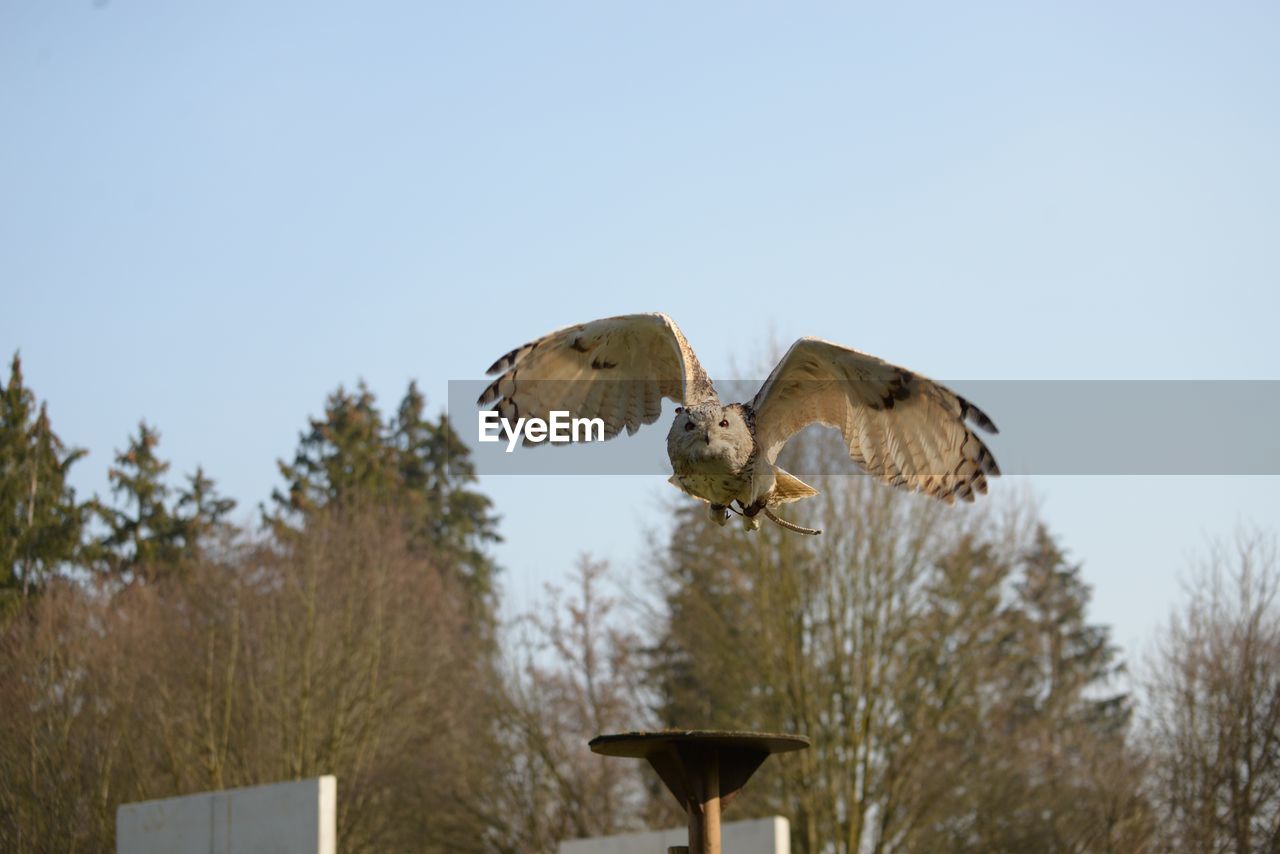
<point x="907" y="430"/>
<point x="617" y="369"/>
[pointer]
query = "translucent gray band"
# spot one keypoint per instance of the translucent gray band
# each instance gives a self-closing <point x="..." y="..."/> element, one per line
<point x="1049" y="427"/>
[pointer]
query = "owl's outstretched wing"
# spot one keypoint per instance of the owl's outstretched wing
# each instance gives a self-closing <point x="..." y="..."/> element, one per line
<point x="617" y="369"/>
<point x="907" y="430"/>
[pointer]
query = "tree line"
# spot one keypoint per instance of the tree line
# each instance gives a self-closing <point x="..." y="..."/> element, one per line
<point x="944" y="662"/>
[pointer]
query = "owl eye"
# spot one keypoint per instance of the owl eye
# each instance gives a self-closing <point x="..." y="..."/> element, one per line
<point x="724" y="422"/>
<point x="679" y="409"/>
<point x="688" y="425"/>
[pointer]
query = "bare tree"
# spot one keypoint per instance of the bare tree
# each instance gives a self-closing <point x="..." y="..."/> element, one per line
<point x="815" y="636"/>
<point x="63" y="734"/>
<point x="574" y="672"/>
<point x="1212" y="716"/>
<point x="345" y="653"/>
<point x="956" y="698"/>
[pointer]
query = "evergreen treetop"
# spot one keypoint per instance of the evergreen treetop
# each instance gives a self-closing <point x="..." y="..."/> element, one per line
<point x="40" y="521"/>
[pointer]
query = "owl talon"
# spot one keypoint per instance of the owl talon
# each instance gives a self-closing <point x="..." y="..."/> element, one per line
<point x="719" y="514"/>
<point x="750" y="523"/>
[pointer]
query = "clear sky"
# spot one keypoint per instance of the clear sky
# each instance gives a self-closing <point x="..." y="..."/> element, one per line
<point x="211" y="214"/>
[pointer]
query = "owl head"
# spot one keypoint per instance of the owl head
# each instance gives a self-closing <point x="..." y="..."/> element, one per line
<point x="718" y="436"/>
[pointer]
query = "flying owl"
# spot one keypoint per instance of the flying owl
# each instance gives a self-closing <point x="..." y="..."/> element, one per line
<point x="899" y="426"/>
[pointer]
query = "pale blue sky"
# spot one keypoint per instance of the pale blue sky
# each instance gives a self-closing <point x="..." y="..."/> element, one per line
<point x="212" y="214"/>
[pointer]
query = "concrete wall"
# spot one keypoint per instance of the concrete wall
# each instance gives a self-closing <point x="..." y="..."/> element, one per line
<point x="282" y="818"/>
<point x="756" y="836"/>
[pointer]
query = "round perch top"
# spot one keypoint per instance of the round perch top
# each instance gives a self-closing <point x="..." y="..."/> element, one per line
<point x="640" y="745"/>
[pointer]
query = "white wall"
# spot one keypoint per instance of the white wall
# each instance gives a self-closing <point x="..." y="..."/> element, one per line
<point x="756" y="836"/>
<point x="282" y="818"/>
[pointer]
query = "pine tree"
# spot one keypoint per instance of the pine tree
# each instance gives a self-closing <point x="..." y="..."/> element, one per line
<point x="1068" y="730"/>
<point x="343" y="459"/>
<point x="41" y="520"/>
<point x="148" y="534"/>
<point x="142" y="534"/>
<point x="201" y="512"/>
<point x="713" y="631"/>
<point x="1067" y="659"/>
<point x="352" y="458"/>
<point x="444" y="512"/>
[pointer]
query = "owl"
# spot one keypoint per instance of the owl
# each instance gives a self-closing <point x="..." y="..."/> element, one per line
<point x="902" y="428"/>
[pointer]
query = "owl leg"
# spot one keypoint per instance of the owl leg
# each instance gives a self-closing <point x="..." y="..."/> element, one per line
<point x="719" y="513"/>
<point x="751" y="516"/>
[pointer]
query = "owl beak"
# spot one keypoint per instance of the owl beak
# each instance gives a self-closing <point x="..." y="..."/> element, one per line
<point x="707" y="437"/>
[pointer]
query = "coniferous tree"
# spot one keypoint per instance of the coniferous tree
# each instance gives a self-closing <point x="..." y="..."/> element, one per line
<point x="1067" y="658"/>
<point x="354" y="458"/>
<point x="342" y="459"/>
<point x="1079" y="778"/>
<point x="201" y="512"/>
<point x="150" y="532"/>
<point x="712" y="630"/>
<point x="445" y="512"/>
<point x="960" y="772"/>
<point x="956" y="692"/>
<point x="41" y="521"/>
<point x="142" y="533"/>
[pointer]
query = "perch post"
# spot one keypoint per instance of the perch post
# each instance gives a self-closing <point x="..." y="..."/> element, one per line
<point x="703" y="769"/>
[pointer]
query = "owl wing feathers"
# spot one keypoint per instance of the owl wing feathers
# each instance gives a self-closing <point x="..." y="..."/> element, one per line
<point x="901" y="427"/>
<point x="617" y="369"/>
